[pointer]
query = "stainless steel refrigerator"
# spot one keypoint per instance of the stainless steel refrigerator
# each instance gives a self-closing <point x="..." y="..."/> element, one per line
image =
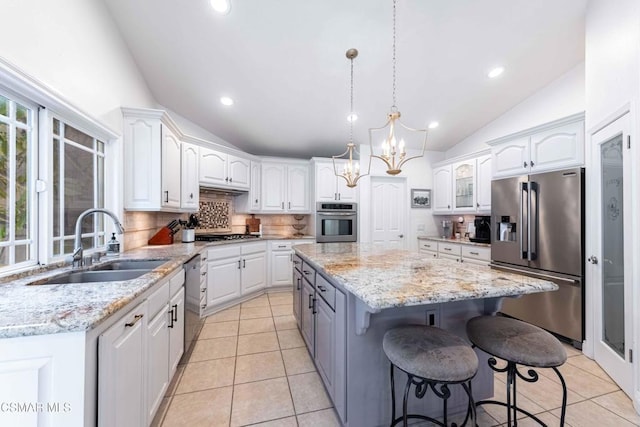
<point x="538" y="229"/>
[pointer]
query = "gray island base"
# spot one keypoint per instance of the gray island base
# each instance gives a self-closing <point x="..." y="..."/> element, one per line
<point x="347" y="295"/>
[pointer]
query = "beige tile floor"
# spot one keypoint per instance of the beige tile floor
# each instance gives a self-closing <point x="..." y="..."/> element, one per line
<point x="250" y="367"/>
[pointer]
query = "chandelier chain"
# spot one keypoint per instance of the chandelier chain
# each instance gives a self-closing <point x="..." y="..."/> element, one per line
<point x="351" y="103"/>
<point x="394" y="55"/>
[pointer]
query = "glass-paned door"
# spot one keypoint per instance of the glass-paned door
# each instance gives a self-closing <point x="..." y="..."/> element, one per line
<point x="464" y="185"/>
<point x="610" y="261"/>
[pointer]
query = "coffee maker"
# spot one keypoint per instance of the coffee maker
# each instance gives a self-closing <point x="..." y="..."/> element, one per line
<point x="483" y="229"/>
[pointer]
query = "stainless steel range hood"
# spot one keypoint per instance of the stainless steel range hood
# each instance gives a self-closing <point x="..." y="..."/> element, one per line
<point x="222" y="191"/>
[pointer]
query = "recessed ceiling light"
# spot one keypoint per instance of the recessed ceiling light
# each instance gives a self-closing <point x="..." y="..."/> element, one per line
<point x="352" y="117"/>
<point x="225" y="100"/>
<point x="221" y="6"/>
<point x="433" y="125"/>
<point x="495" y="72"/>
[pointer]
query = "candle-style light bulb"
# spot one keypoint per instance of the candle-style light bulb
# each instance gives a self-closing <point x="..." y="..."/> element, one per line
<point x="401" y="145"/>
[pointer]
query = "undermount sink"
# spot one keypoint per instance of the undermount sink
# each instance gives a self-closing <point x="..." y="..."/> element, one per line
<point x="141" y="264"/>
<point x="96" y="276"/>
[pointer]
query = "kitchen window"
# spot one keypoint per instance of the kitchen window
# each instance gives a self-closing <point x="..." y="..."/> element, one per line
<point x="17" y="200"/>
<point x="48" y="176"/>
<point x="77" y="185"/>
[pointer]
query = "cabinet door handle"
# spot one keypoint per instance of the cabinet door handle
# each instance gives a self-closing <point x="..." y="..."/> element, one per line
<point x="239" y="264"/>
<point x="477" y="205"/>
<point x="532" y="164"/>
<point x="244" y="263"/>
<point x="525" y="164"/>
<point x="203" y="290"/>
<point x="231" y="179"/>
<point x="448" y="206"/>
<point x="282" y="205"/>
<point x="136" y="319"/>
<point x="204" y="274"/>
<point x="170" y="312"/>
<point x="191" y="195"/>
<point x="291" y="257"/>
<point x="313" y="308"/>
<point x="298" y="284"/>
<point x="174" y="310"/>
<point x="166" y="196"/>
<point x="289" y="205"/>
<point x="227" y="179"/>
<point x="256" y="201"/>
<point x="310" y="302"/>
<point x="339" y="195"/>
<point x="204" y="259"/>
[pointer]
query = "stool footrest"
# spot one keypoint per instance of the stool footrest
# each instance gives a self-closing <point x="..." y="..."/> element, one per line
<point x="523" y="411"/>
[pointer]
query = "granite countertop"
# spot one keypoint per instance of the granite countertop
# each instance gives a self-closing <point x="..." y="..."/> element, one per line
<point x="32" y="309"/>
<point x="461" y="241"/>
<point x="385" y="278"/>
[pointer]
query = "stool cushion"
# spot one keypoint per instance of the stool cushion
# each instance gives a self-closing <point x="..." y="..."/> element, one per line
<point x="431" y="353"/>
<point x="516" y="341"/>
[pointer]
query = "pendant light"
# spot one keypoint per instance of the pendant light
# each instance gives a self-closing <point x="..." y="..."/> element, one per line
<point x="351" y="172"/>
<point x="394" y="135"/>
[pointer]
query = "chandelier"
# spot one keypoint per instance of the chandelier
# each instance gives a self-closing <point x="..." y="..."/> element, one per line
<point x="351" y="169"/>
<point x="394" y="134"/>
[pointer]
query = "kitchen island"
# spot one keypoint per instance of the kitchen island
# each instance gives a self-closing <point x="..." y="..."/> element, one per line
<point x="347" y="295"/>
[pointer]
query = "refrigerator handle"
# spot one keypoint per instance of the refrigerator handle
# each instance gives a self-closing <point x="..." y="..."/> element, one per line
<point x="524" y="198"/>
<point x="533" y="221"/>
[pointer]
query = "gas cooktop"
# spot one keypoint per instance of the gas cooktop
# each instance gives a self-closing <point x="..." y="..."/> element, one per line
<point x="211" y="237"/>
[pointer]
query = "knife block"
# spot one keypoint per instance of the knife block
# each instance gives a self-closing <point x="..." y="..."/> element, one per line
<point x="162" y="237"/>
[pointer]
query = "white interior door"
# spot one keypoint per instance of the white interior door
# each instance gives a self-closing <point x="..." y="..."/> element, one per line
<point x="388" y="212"/>
<point x="611" y="263"/>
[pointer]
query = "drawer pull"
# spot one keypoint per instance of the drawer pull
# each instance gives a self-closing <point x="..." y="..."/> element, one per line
<point x="136" y="319"/>
<point x="322" y="288"/>
<point x="204" y="273"/>
<point x="474" y="253"/>
<point x="447" y="249"/>
<point x="306" y="272"/>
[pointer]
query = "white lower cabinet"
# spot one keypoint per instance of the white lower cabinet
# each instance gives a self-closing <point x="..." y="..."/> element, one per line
<point x="121" y="371"/>
<point x="233" y="271"/>
<point x="459" y="252"/>
<point x="138" y="356"/>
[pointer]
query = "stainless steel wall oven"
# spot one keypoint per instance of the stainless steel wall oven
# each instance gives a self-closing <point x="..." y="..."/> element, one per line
<point x="336" y="222"/>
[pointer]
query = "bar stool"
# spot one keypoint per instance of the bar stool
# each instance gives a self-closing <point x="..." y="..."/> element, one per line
<point x="517" y="343"/>
<point x="432" y="358"/>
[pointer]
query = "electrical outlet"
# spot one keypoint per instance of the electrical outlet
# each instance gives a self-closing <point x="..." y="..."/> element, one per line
<point x="433" y="318"/>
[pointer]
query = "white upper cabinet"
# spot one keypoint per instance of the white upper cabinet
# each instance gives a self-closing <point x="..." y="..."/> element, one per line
<point x="442" y="189"/>
<point x="285" y="187"/>
<point x="218" y="169"/>
<point x="328" y="186"/>
<point x="483" y="183"/>
<point x="553" y="146"/>
<point x="463" y="186"/>
<point x="190" y="186"/>
<point x="213" y="167"/>
<point x="152" y="161"/>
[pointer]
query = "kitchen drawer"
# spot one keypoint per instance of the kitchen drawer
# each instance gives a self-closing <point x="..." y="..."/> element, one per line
<point x="428" y="245"/>
<point x="309" y="273"/>
<point x="432" y="254"/>
<point x="449" y="249"/>
<point x="225" y="251"/>
<point x="297" y="262"/>
<point x="176" y="281"/>
<point x="326" y="290"/>
<point x="476" y="252"/>
<point x="447" y="256"/>
<point x="159" y="299"/>
<point x="252" y="248"/>
<point x="281" y="246"/>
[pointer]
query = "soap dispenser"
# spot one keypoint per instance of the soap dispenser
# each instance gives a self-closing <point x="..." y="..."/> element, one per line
<point x="113" y="246"/>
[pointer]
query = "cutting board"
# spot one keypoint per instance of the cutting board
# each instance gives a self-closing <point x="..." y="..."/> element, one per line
<point x="253" y="223"/>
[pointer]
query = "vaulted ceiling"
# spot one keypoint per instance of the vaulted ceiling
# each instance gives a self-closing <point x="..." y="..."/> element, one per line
<point x="283" y="62"/>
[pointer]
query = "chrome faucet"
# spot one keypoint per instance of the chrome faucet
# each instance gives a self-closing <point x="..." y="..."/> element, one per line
<point x="77" y="252"/>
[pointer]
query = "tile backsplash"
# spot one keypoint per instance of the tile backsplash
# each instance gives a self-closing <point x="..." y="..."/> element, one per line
<point x="215" y="214"/>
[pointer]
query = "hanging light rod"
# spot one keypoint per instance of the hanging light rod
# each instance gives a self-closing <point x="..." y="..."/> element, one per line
<point x="394" y="153"/>
<point x="351" y="171"/>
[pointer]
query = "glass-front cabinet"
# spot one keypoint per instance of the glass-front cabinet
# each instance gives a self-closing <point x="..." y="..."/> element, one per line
<point x="464" y="184"/>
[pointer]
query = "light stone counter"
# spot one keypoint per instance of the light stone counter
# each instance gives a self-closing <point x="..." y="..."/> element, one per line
<point x="384" y="278"/>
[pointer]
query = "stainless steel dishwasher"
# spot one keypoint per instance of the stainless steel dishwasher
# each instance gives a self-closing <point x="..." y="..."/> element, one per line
<point x="192" y="321"/>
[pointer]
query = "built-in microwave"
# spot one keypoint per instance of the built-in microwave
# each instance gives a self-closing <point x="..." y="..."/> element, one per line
<point x="336" y="222"/>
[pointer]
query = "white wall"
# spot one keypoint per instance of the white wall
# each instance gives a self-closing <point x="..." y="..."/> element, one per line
<point x="418" y="174"/>
<point x="562" y="97"/>
<point x="73" y="47"/>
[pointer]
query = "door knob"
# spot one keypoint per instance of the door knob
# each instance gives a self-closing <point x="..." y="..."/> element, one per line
<point x="401" y="235"/>
<point x="593" y="259"/>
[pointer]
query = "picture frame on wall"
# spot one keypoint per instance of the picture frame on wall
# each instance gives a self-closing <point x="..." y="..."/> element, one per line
<point x="421" y="198"/>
